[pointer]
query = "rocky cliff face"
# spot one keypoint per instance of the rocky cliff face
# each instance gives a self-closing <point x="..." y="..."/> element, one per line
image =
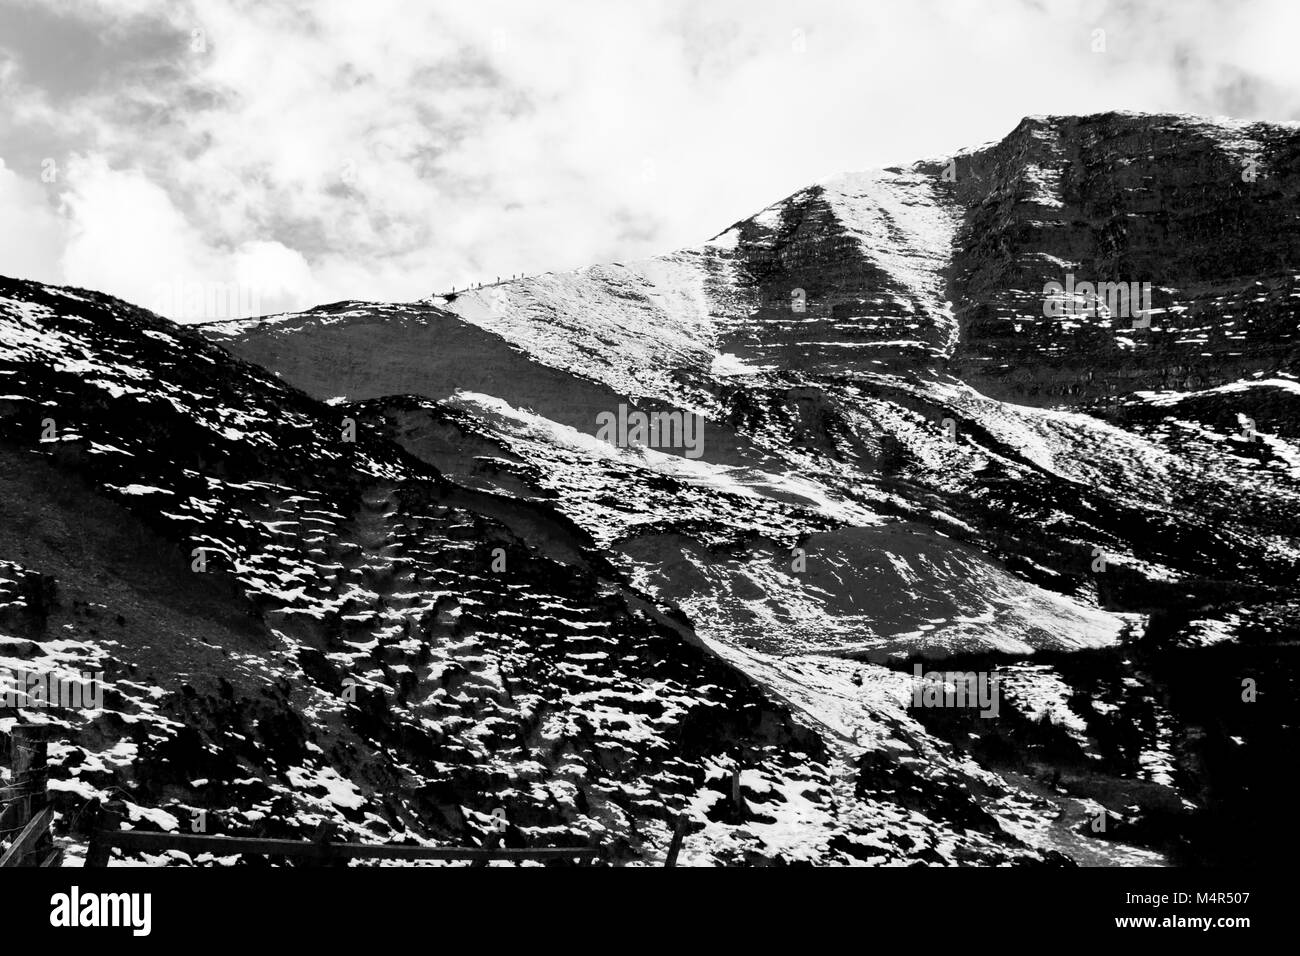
<point x="1202" y="211"/>
<point x="904" y="460"/>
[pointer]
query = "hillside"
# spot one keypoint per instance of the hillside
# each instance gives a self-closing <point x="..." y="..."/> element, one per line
<point x="369" y="644"/>
<point x="912" y="453"/>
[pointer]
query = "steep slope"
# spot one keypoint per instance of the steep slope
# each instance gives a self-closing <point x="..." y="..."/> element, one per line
<point x="1203" y="211"/>
<point x="906" y="456"/>
<point x="295" y="627"/>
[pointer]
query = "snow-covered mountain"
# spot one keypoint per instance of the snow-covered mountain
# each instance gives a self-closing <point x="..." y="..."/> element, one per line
<point x="910" y="450"/>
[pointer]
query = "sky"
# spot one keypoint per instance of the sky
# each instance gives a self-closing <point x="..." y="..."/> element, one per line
<point x="287" y="154"/>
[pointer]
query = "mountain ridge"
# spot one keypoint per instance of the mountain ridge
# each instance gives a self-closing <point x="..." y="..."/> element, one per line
<point x="906" y="461"/>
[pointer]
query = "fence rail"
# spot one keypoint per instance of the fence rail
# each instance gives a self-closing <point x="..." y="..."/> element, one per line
<point x="107" y="834"/>
<point x="25" y="845"/>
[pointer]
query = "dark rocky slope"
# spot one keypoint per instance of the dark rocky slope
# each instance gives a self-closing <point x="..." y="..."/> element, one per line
<point x="369" y="644"/>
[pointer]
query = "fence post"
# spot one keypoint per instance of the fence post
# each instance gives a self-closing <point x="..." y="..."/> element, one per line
<point x="679" y="833"/>
<point x="29" y="752"/>
<point x="493" y="842"/>
<point x="326" y="832"/>
<point x="104" y="822"/>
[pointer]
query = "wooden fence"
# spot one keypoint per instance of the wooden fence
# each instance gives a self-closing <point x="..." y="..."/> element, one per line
<point x="26" y="813"/>
<point x="24" y="804"/>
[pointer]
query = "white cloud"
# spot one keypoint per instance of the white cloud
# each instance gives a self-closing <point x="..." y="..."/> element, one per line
<point x="124" y="235"/>
<point x="385" y="149"/>
<point x="31" y="234"/>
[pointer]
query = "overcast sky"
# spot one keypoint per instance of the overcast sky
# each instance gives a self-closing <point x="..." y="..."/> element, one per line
<point x="382" y="149"/>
